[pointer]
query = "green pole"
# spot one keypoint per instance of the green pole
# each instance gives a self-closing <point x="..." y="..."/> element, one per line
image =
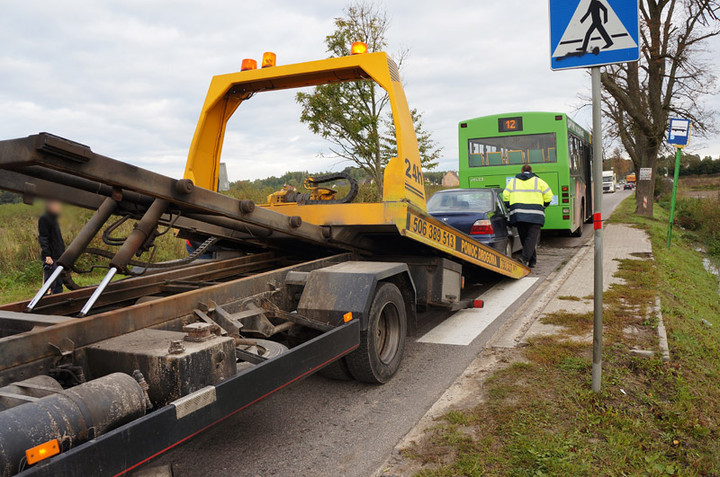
<point x="674" y="194"/>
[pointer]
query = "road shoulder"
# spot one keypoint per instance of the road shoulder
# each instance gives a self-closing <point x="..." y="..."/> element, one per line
<point x="558" y="311"/>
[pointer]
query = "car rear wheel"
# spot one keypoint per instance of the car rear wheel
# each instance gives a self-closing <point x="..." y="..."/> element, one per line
<point x="383" y="343"/>
<point x="509" y="245"/>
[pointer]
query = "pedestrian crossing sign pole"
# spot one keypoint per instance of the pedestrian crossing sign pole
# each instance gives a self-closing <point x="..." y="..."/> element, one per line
<point x="591" y="34"/>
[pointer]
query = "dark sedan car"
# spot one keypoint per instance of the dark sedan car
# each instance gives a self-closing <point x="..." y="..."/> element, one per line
<point x="479" y="213"/>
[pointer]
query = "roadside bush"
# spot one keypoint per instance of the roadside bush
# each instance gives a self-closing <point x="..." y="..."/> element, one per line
<point x="701" y="216"/>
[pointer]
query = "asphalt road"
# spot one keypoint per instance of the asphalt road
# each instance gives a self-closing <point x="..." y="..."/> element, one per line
<point x="320" y="427"/>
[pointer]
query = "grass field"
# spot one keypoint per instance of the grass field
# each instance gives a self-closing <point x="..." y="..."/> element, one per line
<point x="20" y="266"/>
<point x="694" y="183"/>
<point x="539" y="416"/>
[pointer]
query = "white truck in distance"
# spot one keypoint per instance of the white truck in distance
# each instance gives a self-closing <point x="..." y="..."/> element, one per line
<point x="608" y="181"/>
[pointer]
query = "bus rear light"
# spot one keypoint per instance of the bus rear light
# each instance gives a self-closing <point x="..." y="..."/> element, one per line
<point x="268" y="59"/>
<point x="482" y="227"/>
<point x="566" y="200"/>
<point x="358" y="48"/>
<point x="566" y="217"/>
<point x="248" y="64"/>
<point x="565" y="188"/>
<point x="566" y="211"/>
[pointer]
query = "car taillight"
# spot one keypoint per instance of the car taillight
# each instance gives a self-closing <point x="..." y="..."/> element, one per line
<point x="482" y="227"/>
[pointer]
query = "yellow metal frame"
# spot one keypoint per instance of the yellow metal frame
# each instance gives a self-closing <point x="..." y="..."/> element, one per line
<point x="404" y="200"/>
<point x="228" y="91"/>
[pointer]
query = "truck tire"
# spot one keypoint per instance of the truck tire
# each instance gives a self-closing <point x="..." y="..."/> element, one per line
<point x="383" y="343"/>
<point x="337" y="370"/>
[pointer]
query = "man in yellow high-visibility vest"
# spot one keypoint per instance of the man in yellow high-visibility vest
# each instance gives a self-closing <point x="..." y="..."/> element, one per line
<point x="526" y="197"/>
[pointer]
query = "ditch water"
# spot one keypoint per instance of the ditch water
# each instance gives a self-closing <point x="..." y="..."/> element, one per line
<point x="711" y="266"/>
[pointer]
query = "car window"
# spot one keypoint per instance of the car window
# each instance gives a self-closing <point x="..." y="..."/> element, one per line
<point x="479" y="200"/>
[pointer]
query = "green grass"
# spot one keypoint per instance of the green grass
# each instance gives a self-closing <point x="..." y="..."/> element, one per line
<point x="539" y="416"/>
<point x="20" y="266"/>
<point x="569" y="298"/>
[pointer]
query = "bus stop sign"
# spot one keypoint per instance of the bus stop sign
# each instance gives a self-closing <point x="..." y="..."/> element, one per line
<point x="585" y="33"/>
<point x="679" y="132"/>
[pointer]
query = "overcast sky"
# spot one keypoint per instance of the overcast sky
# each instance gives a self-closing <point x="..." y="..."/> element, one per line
<point x="129" y="77"/>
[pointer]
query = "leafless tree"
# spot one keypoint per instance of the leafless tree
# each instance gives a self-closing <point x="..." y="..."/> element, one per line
<point x="671" y="78"/>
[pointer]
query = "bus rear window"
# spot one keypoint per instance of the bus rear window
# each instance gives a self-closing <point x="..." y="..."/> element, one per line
<point x="509" y="150"/>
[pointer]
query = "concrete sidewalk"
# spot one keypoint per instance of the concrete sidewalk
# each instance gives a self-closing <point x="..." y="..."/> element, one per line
<point x="575" y="294"/>
<point x="569" y="289"/>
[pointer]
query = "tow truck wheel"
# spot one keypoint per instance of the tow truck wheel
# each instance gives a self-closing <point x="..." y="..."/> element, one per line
<point x="337" y="370"/>
<point x="383" y="343"/>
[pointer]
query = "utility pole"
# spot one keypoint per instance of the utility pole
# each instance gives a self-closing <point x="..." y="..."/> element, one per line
<point x="597" y="225"/>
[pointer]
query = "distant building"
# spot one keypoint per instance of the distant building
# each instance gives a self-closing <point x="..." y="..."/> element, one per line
<point x="450" y="179"/>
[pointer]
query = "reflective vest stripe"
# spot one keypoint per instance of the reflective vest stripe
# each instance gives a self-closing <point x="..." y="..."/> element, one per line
<point x="527" y="211"/>
<point x="520" y="205"/>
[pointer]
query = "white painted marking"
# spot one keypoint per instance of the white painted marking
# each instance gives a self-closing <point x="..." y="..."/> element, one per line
<point x="465" y="325"/>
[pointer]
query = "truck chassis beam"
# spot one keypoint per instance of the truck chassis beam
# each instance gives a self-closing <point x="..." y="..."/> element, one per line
<point x="129" y="446"/>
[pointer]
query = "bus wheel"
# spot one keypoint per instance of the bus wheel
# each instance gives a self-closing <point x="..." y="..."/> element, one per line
<point x="383" y="343"/>
<point x="587" y="219"/>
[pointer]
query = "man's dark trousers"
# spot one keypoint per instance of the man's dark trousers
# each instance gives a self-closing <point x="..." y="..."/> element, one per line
<point x="529" y="236"/>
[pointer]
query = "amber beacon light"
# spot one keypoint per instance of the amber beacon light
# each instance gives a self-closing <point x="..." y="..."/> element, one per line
<point x="358" y="48"/>
<point x="248" y="64"/>
<point x="268" y="59"/>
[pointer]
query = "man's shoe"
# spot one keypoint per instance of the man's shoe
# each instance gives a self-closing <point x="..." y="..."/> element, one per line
<point x="523" y="262"/>
<point x="532" y="264"/>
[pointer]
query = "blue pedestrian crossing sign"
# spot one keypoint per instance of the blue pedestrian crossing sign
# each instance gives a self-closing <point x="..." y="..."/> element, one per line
<point x="679" y="132"/>
<point x="585" y="33"/>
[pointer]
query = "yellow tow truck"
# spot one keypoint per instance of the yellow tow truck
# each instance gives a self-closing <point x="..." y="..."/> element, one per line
<point x="101" y="379"/>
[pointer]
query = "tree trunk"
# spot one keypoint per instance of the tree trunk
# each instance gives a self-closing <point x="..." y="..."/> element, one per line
<point x="645" y="191"/>
<point x="379" y="182"/>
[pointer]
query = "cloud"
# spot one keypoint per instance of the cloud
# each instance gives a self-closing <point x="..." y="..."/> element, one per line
<point x="128" y="78"/>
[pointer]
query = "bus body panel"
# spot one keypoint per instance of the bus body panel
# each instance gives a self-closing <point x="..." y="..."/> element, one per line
<point x="494" y="148"/>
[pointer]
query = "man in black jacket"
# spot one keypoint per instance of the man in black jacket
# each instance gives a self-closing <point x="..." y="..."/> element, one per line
<point x="51" y="243"/>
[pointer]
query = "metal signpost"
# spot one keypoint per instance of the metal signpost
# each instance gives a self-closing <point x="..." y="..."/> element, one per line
<point x="590" y="34"/>
<point x="678" y="136"/>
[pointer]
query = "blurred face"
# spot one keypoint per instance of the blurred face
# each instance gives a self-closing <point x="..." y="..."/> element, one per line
<point x="54" y="207"/>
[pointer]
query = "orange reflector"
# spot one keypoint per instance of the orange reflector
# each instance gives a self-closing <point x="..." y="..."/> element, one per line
<point x="347" y="316"/>
<point x="358" y="48"/>
<point x="248" y="64"/>
<point x="43" y="451"/>
<point x="268" y="59"/>
<point x="478" y="303"/>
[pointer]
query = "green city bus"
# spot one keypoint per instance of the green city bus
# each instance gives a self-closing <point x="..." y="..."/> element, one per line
<point x="494" y="148"/>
